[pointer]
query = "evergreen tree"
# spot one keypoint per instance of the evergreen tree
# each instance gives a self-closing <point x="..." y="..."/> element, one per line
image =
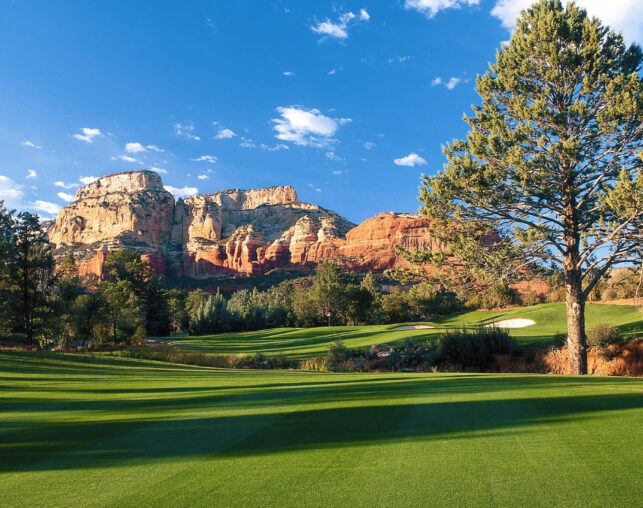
<point x="7" y="235"/>
<point x="551" y="162"/>
<point x="31" y="273"/>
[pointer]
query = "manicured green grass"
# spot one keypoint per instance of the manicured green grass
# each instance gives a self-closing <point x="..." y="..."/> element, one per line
<point x="91" y="431"/>
<point x="304" y="343"/>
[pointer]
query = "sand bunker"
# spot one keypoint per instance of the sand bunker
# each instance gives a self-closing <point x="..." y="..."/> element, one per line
<point x="412" y="327"/>
<point x="512" y="323"/>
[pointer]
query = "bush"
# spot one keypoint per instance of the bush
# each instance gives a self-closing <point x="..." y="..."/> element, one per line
<point x="474" y="348"/>
<point x="602" y="334"/>
<point x="338" y="352"/>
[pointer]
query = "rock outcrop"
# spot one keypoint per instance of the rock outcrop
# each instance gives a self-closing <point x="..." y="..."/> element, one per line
<point x="232" y="232"/>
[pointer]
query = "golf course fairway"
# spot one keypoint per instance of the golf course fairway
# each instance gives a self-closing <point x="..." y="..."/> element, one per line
<point x="100" y="431"/>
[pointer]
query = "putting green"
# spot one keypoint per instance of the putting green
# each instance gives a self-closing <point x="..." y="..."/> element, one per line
<point x="303" y="343"/>
<point x="92" y="431"/>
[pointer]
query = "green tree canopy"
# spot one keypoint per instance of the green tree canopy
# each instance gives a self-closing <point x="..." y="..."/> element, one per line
<point x="552" y="161"/>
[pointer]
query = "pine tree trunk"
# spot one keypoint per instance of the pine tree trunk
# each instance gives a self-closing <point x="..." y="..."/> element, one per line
<point x="576" y="339"/>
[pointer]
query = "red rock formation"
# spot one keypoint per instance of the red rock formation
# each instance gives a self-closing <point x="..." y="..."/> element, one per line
<point x="225" y="233"/>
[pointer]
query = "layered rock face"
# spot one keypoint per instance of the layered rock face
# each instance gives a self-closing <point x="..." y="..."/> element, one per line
<point x="222" y="234"/>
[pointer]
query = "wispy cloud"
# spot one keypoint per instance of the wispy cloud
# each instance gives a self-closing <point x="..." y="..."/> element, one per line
<point x="431" y="7"/>
<point x="225" y="134"/>
<point x="31" y="174"/>
<point x="338" y="29"/>
<point x="31" y="145"/>
<point x="186" y="131"/>
<point x="275" y="148"/>
<point x="410" y="160"/>
<point x="158" y="170"/>
<point x="288" y="73"/>
<point x="450" y="83"/>
<point x="203" y="177"/>
<point x="247" y="143"/>
<point x="66" y="185"/>
<point x="205" y="158"/>
<point x="88" y="134"/>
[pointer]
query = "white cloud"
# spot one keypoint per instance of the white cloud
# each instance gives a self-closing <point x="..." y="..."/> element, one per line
<point x="181" y="192"/>
<point x="225" y="134"/>
<point x="431" y="7"/>
<point x="275" y="148"/>
<point x="399" y="59"/>
<point x="158" y="170"/>
<point x="46" y="206"/>
<point x="318" y="189"/>
<point x="66" y="185"/>
<point x="66" y="197"/>
<point x="332" y="72"/>
<point x="31" y="174"/>
<point x="10" y="192"/>
<point x="205" y="158"/>
<point x="333" y="156"/>
<point x="337" y="172"/>
<point x="154" y="148"/>
<point x="186" y="130"/>
<point x="306" y="127"/>
<point x="30" y="144"/>
<point x="134" y="148"/>
<point x="410" y="160"/>
<point x="88" y="134"/>
<point x="288" y="73"/>
<point x="625" y="16"/>
<point x="369" y="145"/>
<point x="450" y="83"/>
<point x="126" y="158"/>
<point x="247" y="143"/>
<point x="338" y="29"/>
<point x="203" y="177"/>
<point x="85" y="180"/>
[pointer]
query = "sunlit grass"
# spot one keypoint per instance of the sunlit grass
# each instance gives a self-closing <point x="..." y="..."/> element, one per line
<point x="550" y="319"/>
<point x="91" y="431"/>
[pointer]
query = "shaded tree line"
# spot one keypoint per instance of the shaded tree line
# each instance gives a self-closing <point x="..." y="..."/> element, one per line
<point x="41" y="304"/>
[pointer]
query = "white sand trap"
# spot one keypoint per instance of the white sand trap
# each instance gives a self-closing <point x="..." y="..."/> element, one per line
<point x="412" y="327"/>
<point x="512" y="323"/>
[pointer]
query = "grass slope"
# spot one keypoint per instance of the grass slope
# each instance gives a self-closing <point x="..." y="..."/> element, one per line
<point x="304" y="343"/>
<point x="83" y="431"/>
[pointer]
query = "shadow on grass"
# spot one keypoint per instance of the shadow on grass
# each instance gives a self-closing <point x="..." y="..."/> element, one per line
<point x="107" y="432"/>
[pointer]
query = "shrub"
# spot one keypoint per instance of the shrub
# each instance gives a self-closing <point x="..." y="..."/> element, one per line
<point x="321" y="363"/>
<point x="338" y="352"/>
<point x="139" y="336"/>
<point x="474" y="348"/>
<point x="602" y="334"/>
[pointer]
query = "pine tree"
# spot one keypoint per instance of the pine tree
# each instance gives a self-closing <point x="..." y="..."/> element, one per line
<point x="552" y="161"/>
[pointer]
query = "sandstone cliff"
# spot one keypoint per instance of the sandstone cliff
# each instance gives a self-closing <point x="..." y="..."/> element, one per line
<point x="226" y="233"/>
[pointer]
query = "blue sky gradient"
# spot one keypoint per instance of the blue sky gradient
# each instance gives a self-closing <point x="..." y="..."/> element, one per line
<point x="228" y="94"/>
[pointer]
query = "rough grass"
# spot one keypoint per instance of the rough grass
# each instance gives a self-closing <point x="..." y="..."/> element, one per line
<point x="304" y="343"/>
<point x="89" y="431"/>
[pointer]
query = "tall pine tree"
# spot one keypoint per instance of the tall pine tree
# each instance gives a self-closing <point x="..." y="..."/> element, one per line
<point x="552" y="160"/>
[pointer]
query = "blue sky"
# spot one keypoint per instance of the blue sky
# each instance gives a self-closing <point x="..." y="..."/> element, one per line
<point x="348" y="101"/>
